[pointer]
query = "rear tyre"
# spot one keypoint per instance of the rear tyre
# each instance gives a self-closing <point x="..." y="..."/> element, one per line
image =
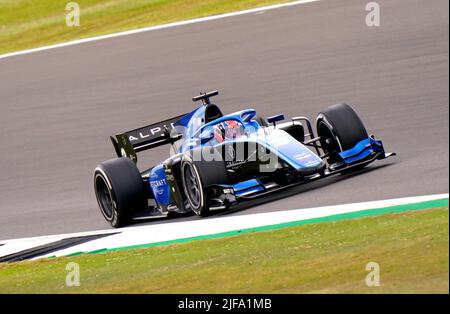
<point x="198" y="173"/>
<point x="340" y="129"/>
<point x="119" y="190"/>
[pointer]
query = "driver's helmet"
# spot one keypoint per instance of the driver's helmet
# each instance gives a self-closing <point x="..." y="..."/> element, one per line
<point x="228" y="130"/>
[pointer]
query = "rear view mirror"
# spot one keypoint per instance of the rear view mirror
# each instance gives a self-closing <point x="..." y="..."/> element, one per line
<point x="275" y="119"/>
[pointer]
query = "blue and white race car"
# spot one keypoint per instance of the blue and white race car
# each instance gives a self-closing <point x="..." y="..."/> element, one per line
<point x="217" y="161"/>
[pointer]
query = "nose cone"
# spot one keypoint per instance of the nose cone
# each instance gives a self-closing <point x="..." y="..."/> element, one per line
<point x="293" y="152"/>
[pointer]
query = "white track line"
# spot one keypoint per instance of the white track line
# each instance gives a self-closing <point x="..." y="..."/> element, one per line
<point x="157" y="27"/>
<point x="186" y="229"/>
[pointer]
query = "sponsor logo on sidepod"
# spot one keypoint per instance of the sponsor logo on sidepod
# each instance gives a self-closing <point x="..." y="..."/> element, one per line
<point x="158" y="186"/>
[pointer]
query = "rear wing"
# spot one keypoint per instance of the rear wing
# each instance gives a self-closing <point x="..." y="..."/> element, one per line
<point x="129" y="143"/>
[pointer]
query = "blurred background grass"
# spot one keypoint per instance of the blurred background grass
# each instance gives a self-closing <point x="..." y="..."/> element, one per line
<point x="26" y="24"/>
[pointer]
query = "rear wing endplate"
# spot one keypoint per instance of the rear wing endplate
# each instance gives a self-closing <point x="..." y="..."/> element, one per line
<point x="161" y="133"/>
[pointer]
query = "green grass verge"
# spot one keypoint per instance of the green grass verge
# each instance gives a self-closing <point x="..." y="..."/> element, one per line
<point x="28" y="24"/>
<point x="350" y="215"/>
<point x="410" y="247"/>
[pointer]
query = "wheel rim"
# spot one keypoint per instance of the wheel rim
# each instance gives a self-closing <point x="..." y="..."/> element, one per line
<point x="328" y="141"/>
<point x="192" y="186"/>
<point x="104" y="197"/>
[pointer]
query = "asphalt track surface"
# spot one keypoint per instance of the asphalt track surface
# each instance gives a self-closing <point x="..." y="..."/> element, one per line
<point x="58" y="107"/>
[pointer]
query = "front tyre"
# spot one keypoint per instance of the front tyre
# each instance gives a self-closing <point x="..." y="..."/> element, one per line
<point x="339" y="129"/>
<point x="193" y="188"/>
<point x="197" y="175"/>
<point x="119" y="190"/>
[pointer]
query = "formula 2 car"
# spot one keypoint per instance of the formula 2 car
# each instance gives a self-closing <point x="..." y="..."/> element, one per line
<point x="217" y="161"/>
